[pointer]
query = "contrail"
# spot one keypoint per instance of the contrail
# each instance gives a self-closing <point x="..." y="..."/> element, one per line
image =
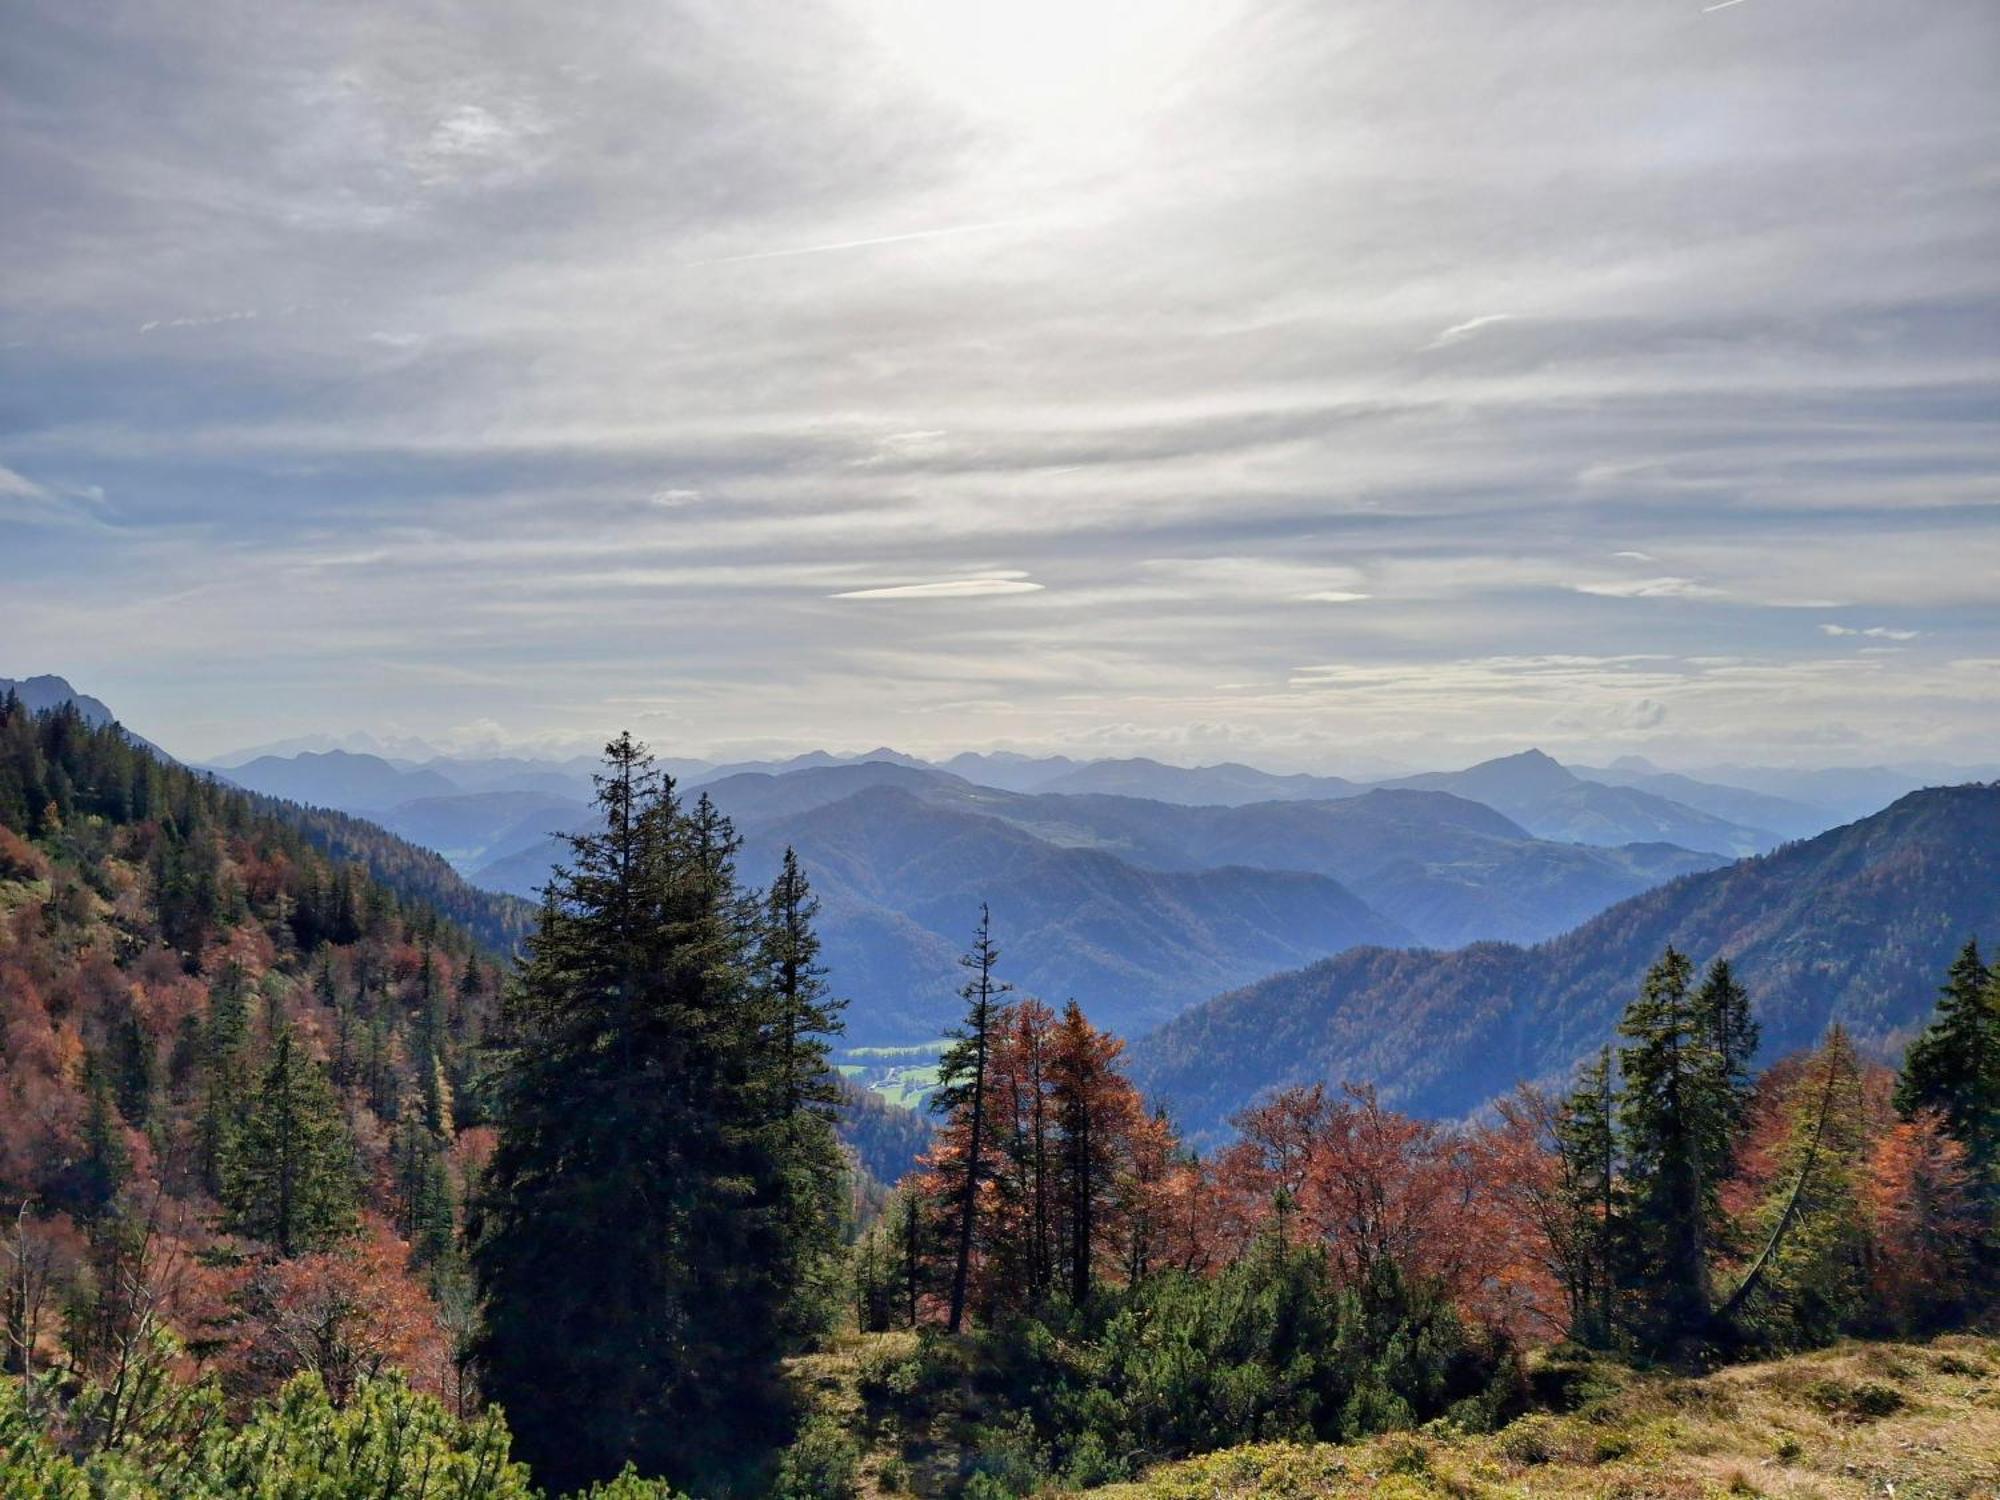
<point x="886" y="239"/>
<point x="1722" y="5"/>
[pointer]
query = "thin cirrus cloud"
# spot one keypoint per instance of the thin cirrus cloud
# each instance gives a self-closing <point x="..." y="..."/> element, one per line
<point x="1650" y="588"/>
<point x="981" y="586"/>
<point x="1458" y="333"/>
<point x="1872" y="632"/>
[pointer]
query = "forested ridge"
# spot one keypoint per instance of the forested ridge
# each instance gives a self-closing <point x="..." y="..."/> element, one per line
<point x="1852" y="925"/>
<point x="308" y="1195"/>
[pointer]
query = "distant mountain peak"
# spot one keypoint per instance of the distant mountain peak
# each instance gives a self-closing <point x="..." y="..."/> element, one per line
<point x="1526" y="760"/>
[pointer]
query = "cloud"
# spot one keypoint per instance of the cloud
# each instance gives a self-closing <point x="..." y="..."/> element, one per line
<point x="1872" y="632"/>
<point x="979" y="587"/>
<point x="1650" y="588"/>
<point x="243" y="315"/>
<point x="63" y="506"/>
<point x="867" y="243"/>
<point x="19" y="487"/>
<point x="1458" y="333"/>
<point x="724" y="311"/>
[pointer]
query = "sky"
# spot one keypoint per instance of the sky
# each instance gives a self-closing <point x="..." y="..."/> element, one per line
<point x="1310" y="384"/>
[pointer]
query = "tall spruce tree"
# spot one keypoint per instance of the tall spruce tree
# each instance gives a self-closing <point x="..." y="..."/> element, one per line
<point x="105" y="1164"/>
<point x="225" y="1074"/>
<point x="1677" y="1112"/>
<point x="1954" y="1066"/>
<point x="801" y="1016"/>
<point x="632" y="1242"/>
<point x="961" y="1094"/>
<point x="1733" y="1032"/>
<point x="1586" y="1131"/>
<point x="288" y="1175"/>
<point x="424" y="1211"/>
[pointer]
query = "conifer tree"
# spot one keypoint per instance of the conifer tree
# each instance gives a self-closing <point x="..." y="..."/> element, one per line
<point x="961" y="1092"/>
<point x="225" y="1069"/>
<point x="1733" y="1033"/>
<point x="1954" y="1066"/>
<point x="633" y="1242"/>
<point x="1676" y="1113"/>
<point x="1587" y="1145"/>
<point x="288" y="1177"/>
<point x="106" y="1164"/>
<point x="135" y="1068"/>
<point x="424" y="1213"/>
<point x="910" y="1252"/>
<point x="801" y="1016"/>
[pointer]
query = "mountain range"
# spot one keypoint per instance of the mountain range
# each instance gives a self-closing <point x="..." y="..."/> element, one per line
<point x="1139" y="888"/>
<point x="1138" y="908"/>
<point x="1855" y="925"/>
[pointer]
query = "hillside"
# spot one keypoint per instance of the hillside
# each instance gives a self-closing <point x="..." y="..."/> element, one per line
<point x="1854" y="926"/>
<point x="1786" y="816"/>
<point x="1860" y="1420"/>
<point x="416" y="875"/>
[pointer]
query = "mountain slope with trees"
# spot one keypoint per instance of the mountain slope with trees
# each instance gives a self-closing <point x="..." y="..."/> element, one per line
<point x="1852" y="926"/>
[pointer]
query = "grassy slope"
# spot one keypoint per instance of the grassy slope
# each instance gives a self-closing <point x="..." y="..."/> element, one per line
<point x="1909" y="1421"/>
<point x="1917" y="1422"/>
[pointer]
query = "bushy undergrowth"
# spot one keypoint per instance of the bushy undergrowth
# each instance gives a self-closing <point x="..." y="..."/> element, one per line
<point x="1269" y="1349"/>
<point x="1839" y="1424"/>
<point x="386" y="1443"/>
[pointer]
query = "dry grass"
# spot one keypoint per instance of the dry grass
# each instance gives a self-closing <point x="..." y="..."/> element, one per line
<point x="1892" y="1421"/>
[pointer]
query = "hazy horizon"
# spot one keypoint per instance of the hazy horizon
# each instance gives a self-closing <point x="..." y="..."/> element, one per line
<point x="407" y="749"/>
<point x="1214" y="381"/>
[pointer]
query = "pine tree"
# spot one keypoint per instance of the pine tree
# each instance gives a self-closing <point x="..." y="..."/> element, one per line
<point x="288" y="1177"/>
<point x="910" y="1253"/>
<point x="961" y="1093"/>
<point x="106" y="1164"/>
<point x="1733" y="1034"/>
<point x="1676" y="1113"/>
<point x="633" y="1240"/>
<point x="803" y="1091"/>
<point x="1954" y="1066"/>
<point x="225" y="1070"/>
<point x="424" y="1211"/>
<point x="804" y="1014"/>
<point x="1587" y="1146"/>
<point x="134" y="1064"/>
